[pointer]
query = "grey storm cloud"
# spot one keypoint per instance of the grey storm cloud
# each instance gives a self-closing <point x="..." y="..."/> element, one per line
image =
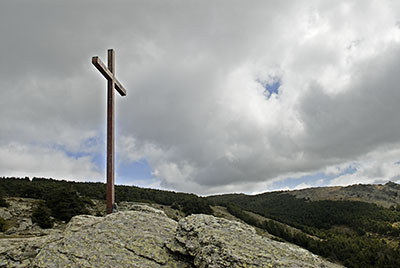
<point x="195" y="72"/>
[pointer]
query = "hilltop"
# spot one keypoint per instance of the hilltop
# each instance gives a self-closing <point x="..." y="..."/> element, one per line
<point x="357" y="226"/>
<point x="386" y="195"/>
<point x="147" y="237"/>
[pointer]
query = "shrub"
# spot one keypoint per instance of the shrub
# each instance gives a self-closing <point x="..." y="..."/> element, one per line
<point x="195" y="205"/>
<point x="41" y="216"/>
<point x="65" y="203"/>
<point x="3" y="202"/>
<point x="2" y="224"/>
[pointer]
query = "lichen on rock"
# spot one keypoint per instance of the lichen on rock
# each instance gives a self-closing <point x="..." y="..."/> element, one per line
<point x="216" y="242"/>
<point x="146" y="237"/>
<point x="123" y="239"/>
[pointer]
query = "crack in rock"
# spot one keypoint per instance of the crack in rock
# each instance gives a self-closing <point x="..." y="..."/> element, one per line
<point x="144" y="256"/>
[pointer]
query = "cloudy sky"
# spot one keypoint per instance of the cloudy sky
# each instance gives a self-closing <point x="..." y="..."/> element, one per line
<point x="222" y="96"/>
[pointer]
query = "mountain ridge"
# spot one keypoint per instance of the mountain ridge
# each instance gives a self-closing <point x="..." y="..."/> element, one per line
<point x="385" y="195"/>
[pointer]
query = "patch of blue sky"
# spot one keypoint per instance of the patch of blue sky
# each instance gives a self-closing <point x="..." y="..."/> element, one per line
<point x="98" y="159"/>
<point x="76" y="155"/>
<point x="130" y="172"/>
<point x="271" y="86"/>
<point x="93" y="142"/>
<point x="71" y="154"/>
<point x="312" y="180"/>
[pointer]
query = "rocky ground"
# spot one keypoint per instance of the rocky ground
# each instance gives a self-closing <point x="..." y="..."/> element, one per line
<point x="147" y="237"/>
<point x="18" y="219"/>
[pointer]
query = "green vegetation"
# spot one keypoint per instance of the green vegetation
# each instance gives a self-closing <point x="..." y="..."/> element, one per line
<point x="360" y="216"/>
<point x="65" y="203"/>
<point x="362" y="244"/>
<point x="188" y="203"/>
<point x="3" y="202"/>
<point x="66" y="199"/>
<point x="2" y="224"/>
<point x="356" y="234"/>
<point x="41" y="216"/>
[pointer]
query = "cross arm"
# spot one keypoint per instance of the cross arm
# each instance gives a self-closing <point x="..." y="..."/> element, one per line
<point x="120" y="88"/>
<point x="108" y="75"/>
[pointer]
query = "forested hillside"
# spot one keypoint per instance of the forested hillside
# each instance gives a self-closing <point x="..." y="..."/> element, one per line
<point x="357" y="234"/>
<point x="65" y="199"/>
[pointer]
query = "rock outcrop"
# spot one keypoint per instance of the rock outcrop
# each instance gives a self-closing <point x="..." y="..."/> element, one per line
<point x="146" y="237"/>
<point x="123" y="239"/>
<point x="18" y="216"/>
<point x="217" y="242"/>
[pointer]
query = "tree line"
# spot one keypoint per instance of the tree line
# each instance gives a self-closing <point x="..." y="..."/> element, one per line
<point x="64" y="199"/>
<point x="356" y="234"/>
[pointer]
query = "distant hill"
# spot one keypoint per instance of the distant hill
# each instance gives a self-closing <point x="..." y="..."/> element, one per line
<point x="358" y="226"/>
<point x="386" y="195"/>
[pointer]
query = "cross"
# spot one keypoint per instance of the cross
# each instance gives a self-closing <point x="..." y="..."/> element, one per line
<point x="109" y="74"/>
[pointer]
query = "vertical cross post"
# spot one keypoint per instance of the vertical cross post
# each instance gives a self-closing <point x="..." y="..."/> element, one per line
<point x="110" y="133"/>
<point x="112" y="82"/>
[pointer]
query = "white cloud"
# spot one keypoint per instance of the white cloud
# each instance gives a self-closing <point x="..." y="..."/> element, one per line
<point x="195" y="108"/>
<point x="22" y="160"/>
<point x="376" y="167"/>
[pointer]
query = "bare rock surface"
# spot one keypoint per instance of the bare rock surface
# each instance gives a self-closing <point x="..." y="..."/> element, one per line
<point x="18" y="215"/>
<point x="216" y="242"/>
<point x="146" y="237"/>
<point x="20" y="252"/>
<point x="123" y="239"/>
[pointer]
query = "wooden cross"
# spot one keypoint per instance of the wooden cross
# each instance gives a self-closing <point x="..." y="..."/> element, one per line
<point x="109" y="74"/>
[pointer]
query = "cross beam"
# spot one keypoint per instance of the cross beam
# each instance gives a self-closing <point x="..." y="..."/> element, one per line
<point x="112" y="82"/>
<point x="108" y="75"/>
